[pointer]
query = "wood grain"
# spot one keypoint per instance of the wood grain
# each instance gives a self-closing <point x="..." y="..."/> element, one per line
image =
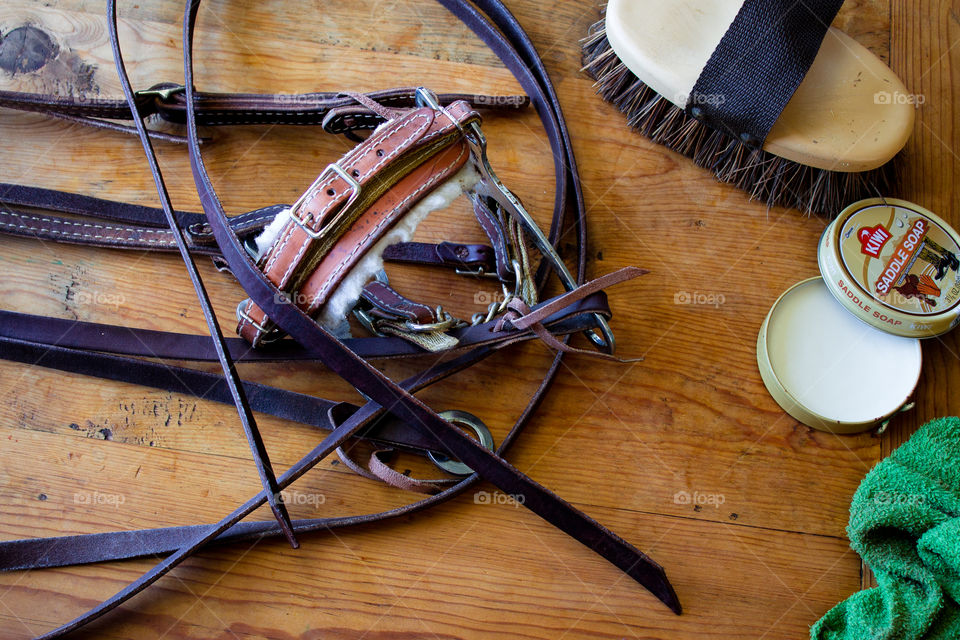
<point x="764" y="556"/>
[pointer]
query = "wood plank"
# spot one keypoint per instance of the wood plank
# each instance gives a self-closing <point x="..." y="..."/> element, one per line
<point x="762" y="555"/>
<point x="407" y="576"/>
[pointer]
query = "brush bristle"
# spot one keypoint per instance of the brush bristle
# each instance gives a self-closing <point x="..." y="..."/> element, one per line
<point x="765" y="176"/>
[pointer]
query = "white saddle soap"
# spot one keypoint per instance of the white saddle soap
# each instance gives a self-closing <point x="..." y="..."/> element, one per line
<point x="830" y="370"/>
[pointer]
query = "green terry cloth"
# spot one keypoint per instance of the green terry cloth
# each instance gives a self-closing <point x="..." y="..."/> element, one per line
<point x="905" y="523"/>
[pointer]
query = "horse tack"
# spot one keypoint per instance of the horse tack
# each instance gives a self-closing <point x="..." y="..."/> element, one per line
<point x="420" y="143"/>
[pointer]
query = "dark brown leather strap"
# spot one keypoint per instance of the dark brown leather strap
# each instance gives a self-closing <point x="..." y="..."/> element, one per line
<point x="19" y="221"/>
<point x="237" y="392"/>
<point x="387" y="303"/>
<point x="93" y="337"/>
<point x="80" y="549"/>
<point x="34" y="212"/>
<point x="472" y="259"/>
<point x="337" y="112"/>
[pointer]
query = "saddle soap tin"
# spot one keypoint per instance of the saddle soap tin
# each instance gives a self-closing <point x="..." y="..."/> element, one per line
<point x="841" y="352"/>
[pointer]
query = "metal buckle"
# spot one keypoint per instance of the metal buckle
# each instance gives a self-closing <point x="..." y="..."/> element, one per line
<point x="354" y="194"/>
<point x="373" y="324"/>
<point x="367" y="321"/>
<point x="448" y="322"/>
<point x="262" y="328"/>
<point x="477" y="426"/>
<point x="426" y="98"/>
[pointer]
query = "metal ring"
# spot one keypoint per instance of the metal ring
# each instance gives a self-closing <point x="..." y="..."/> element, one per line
<point x="602" y="337"/>
<point x="468" y="420"/>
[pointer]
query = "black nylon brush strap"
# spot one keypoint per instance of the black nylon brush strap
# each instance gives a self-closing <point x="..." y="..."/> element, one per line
<point x="758" y="65"/>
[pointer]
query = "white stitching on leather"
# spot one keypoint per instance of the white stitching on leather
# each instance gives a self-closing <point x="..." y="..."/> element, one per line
<point x="277" y="249"/>
<point x="326" y="286"/>
<point x="370" y="294"/>
<point x="386" y="158"/>
<point x="82" y="234"/>
<point x="241" y="220"/>
<point x="87" y="225"/>
<point x="90" y="225"/>
<point x="79" y="234"/>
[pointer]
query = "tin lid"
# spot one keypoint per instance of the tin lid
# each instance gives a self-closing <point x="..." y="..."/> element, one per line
<point x="894" y="265"/>
<point x="829" y="370"/>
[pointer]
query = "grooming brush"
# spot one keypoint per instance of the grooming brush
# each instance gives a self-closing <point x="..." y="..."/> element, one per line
<point x="845" y="118"/>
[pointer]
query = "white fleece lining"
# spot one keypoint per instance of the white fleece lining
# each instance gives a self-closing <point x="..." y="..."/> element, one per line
<point x="272" y="231"/>
<point x="334" y="312"/>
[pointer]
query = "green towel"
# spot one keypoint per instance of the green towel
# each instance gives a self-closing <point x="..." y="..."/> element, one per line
<point x="905" y="523"/>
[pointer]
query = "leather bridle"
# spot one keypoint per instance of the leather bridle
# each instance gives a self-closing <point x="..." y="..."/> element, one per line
<point x="393" y="415"/>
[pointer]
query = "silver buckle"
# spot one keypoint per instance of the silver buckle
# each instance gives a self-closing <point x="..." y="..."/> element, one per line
<point x="447" y="322"/>
<point x="295" y="208"/>
<point x="426" y="98"/>
<point x="367" y="321"/>
<point x="262" y="328"/>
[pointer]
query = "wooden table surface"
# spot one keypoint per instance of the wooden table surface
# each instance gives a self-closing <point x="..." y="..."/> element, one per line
<point x="764" y="556"/>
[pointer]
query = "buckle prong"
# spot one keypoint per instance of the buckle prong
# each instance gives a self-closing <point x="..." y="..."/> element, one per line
<point x="480" y="272"/>
<point x="426" y="98"/>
